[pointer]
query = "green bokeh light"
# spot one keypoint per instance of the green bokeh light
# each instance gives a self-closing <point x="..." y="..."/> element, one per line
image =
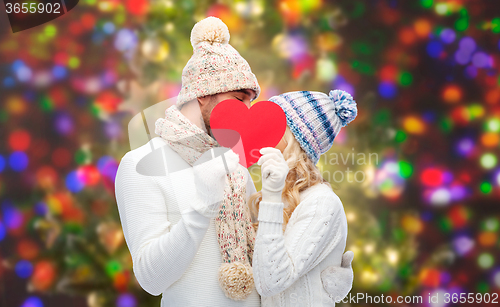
<point x="426" y="3"/>
<point x="46" y="104"/>
<point x="405" y="169"/>
<point x="495" y="25"/>
<point x="113" y="267"/>
<point x="50" y="31"/>
<point x="462" y="24"/>
<point x="405" y="78"/>
<point x="486" y="187"/>
<point x="400" y="136"/>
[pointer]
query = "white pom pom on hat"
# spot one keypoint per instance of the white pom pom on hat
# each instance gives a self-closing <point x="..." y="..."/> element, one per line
<point x="210" y="29"/>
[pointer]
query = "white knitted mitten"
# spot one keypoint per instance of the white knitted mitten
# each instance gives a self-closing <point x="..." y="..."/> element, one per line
<point x="210" y="179"/>
<point x="337" y="281"/>
<point x="274" y="170"/>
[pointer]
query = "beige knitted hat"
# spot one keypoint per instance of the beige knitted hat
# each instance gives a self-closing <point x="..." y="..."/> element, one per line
<point x="215" y="67"/>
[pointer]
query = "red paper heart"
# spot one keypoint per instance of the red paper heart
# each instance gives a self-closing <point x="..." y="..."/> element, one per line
<point x="246" y="130"/>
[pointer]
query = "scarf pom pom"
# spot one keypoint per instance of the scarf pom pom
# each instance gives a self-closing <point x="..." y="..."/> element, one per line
<point x="345" y="106"/>
<point x="236" y="280"/>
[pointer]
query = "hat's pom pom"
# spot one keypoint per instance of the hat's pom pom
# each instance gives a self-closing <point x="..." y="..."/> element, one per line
<point x="345" y="106"/>
<point x="236" y="280"/>
<point x="210" y="29"/>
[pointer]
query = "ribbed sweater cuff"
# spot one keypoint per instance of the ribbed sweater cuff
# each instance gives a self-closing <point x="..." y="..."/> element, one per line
<point x="270" y="212"/>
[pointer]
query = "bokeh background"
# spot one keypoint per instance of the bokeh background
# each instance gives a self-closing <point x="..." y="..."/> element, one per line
<point x="425" y="74"/>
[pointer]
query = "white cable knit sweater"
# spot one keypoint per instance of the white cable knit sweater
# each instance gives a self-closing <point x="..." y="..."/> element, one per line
<point x="287" y="266"/>
<point x="174" y="248"/>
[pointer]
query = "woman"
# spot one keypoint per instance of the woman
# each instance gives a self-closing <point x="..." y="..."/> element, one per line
<point x="297" y="241"/>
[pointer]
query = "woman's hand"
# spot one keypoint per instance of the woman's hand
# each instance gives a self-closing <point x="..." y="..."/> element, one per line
<point x="337" y="281"/>
<point x="274" y="170"/>
<point x="210" y="172"/>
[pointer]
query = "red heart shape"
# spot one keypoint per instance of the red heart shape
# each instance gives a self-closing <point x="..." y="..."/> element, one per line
<point x="245" y="130"/>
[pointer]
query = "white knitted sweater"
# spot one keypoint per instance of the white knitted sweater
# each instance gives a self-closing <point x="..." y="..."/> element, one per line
<point x="287" y="266"/>
<point x="174" y="249"/>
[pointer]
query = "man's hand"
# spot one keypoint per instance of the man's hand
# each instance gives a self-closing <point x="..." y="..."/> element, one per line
<point x="210" y="172"/>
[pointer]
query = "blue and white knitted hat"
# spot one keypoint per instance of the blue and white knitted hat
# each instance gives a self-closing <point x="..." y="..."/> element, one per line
<point x="315" y="118"/>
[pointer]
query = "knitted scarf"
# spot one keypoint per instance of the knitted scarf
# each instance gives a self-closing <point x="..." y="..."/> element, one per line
<point x="235" y="233"/>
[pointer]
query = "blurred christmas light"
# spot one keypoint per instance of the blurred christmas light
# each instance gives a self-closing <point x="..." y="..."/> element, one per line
<point x="493" y="125"/>
<point x="326" y="70"/>
<point x="485" y="187"/>
<point x="491" y="224"/>
<point x="109" y="27"/>
<point x="463" y="245"/>
<point x="113" y="267"/>
<point x="412" y="224"/>
<point x="3" y="231"/>
<point x="471" y="71"/>
<point x="387" y="90"/>
<point x="434" y="49"/>
<point x="19" y="140"/>
<point x="422" y="27"/>
<point x="405" y="169"/>
<point x="18" y="161"/>
<point x="64" y="124"/>
<point x="43" y="276"/>
<point x="432" y="177"/>
<point x="27" y="249"/>
<point x="413" y="125"/>
<point x="465" y="146"/>
<point x="442" y="8"/>
<point x="488" y="160"/>
<point x="32" y="301"/>
<point x="481" y="60"/>
<point x="125" y="40"/>
<point x="24" y="269"/>
<point x="440" y="197"/>
<point x="405" y="78"/>
<point x="490" y="139"/>
<point x="430" y="277"/>
<point x="392" y="256"/>
<point x="155" y="49"/>
<point x="447" y="35"/>
<point x="485" y="260"/>
<point x="452" y="93"/>
<point x="458" y="192"/>
<point x="2" y="163"/>
<point x="88" y="174"/>
<point x="126" y="300"/>
<point x="459" y="216"/>
<point x="427" y="3"/>
<point x="467" y="44"/>
<point x="496" y="279"/>
<point x="74" y="182"/>
<point x="487" y="238"/>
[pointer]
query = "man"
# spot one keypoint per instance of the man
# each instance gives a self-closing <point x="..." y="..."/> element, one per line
<point x="172" y="219"/>
<point x="178" y="255"/>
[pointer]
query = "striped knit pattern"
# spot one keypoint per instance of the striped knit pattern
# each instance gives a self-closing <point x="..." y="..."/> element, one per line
<point x="315" y="118"/>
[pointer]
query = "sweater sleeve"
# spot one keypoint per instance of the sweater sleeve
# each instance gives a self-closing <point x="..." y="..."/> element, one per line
<point x="312" y="236"/>
<point x="160" y="253"/>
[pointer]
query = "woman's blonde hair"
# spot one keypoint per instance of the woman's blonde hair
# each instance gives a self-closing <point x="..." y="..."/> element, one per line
<point x="302" y="175"/>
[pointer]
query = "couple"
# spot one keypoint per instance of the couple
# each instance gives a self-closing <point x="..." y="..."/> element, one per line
<point x="232" y="246"/>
